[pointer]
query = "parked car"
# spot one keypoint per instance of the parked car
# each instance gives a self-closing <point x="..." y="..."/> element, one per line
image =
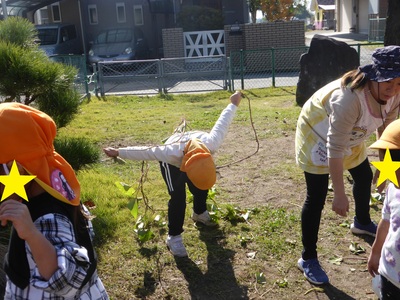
<point x="59" y="39"/>
<point x="117" y="44"/>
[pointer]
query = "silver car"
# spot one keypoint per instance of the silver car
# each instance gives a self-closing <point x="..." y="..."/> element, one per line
<point x="117" y="44"/>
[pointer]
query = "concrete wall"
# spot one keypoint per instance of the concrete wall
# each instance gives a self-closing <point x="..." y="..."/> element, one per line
<point x="346" y="16"/>
<point x="363" y="20"/>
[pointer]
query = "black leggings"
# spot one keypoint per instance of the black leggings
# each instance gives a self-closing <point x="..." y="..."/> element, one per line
<point x="317" y="189"/>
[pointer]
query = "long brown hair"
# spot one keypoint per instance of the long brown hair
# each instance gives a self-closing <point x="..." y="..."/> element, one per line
<point x="354" y="79"/>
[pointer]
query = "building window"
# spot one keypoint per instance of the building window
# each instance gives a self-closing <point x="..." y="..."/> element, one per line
<point x="93" y="18"/>
<point x="121" y="18"/>
<point x="138" y="15"/>
<point x="55" y="10"/>
<point x="42" y="16"/>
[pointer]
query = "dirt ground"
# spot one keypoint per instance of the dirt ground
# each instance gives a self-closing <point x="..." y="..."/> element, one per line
<point x="254" y="183"/>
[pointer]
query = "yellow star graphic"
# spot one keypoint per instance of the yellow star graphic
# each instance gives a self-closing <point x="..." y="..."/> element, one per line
<point x="14" y="183"/>
<point x="387" y="169"/>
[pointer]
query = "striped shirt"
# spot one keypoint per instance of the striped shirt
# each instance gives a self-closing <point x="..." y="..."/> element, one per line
<point x="73" y="261"/>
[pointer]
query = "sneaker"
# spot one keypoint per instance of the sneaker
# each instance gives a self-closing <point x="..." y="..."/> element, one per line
<point x="175" y="245"/>
<point x="204" y="218"/>
<point x="312" y="271"/>
<point x="369" y="229"/>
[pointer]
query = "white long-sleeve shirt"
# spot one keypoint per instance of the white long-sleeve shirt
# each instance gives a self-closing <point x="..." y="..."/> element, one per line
<point x="172" y="151"/>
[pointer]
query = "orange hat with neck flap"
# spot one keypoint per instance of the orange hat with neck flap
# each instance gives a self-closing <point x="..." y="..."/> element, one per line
<point x="26" y="136"/>
<point x="199" y="165"/>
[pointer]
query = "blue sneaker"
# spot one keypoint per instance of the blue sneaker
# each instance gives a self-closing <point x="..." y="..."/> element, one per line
<point x="312" y="271"/>
<point x="369" y="229"/>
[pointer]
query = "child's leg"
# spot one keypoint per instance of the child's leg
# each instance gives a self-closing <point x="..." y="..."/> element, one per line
<point x="199" y="198"/>
<point x="175" y="180"/>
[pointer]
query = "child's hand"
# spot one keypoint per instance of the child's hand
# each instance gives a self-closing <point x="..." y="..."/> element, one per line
<point x="18" y="214"/>
<point x="111" y="152"/>
<point x="373" y="264"/>
<point x="236" y="98"/>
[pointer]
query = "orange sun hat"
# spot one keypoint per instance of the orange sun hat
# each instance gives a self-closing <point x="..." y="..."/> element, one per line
<point x="199" y="165"/>
<point x="26" y="136"/>
<point x="390" y="137"/>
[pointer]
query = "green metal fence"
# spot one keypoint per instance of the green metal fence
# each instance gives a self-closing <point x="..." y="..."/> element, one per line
<point x="245" y="69"/>
<point x="277" y="67"/>
<point x="166" y="75"/>
<point x="79" y="62"/>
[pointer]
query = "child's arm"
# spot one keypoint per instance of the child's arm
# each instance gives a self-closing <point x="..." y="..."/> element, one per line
<point x="340" y="203"/>
<point x="43" y="251"/>
<point x="374" y="257"/>
<point x="220" y="128"/>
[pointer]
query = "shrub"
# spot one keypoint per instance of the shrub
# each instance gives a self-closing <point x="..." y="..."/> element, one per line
<point x="77" y="151"/>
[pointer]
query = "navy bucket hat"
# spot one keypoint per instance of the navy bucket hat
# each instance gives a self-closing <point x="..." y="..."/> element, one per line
<point x="385" y="66"/>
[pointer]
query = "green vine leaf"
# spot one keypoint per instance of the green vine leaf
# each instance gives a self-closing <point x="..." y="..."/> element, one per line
<point x="125" y="188"/>
<point x="282" y="283"/>
<point x="345" y="224"/>
<point x="144" y="234"/>
<point x="134" y="207"/>
<point x="376" y="198"/>
<point x="356" y="248"/>
<point x="260" y="278"/>
<point x="336" y="260"/>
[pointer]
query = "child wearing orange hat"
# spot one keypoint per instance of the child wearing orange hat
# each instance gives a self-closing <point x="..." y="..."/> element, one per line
<point x="186" y="158"/>
<point x="50" y="253"/>
<point x="384" y="259"/>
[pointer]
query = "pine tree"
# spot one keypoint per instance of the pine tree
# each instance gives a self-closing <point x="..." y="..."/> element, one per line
<point x="30" y="77"/>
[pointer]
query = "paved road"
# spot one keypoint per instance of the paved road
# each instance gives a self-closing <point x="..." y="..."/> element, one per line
<point x="340" y="36"/>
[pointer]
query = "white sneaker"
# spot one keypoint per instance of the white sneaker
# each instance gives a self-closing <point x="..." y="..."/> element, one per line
<point x="175" y="245"/>
<point x="204" y="218"/>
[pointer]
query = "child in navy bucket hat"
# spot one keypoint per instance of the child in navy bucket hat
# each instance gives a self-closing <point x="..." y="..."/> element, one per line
<point x="330" y="138"/>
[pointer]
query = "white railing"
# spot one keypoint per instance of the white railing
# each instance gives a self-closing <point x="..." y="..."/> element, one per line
<point x="204" y="43"/>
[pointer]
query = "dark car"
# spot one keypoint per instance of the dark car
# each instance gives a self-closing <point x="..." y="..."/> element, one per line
<point x="57" y="39"/>
<point x="117" y="44"/>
